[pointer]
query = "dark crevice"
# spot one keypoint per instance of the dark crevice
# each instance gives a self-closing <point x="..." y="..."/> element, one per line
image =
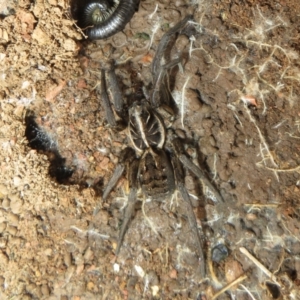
<point x="39" y="140"/>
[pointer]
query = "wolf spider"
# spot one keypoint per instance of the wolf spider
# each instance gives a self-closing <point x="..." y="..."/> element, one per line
<point x="155" y="162"/>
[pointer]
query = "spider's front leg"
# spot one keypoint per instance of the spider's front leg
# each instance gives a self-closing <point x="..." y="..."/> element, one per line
<point x="118" y="102"/>
<point x="160" y="88"/>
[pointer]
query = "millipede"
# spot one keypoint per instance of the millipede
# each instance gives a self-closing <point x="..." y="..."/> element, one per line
<point x="100" y="19"/>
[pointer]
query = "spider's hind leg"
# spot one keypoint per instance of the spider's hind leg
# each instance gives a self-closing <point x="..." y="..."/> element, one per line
<point x="177" y="147"/>
<point x="129" y="162"/>
<point x="179" y="176"/>
<point x="132" y="176"/>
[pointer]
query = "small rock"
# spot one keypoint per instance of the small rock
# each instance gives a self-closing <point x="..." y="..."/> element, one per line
<point x="48" y="252"/>
<point x="79" y="269"/>
<point x="233" y="270"/>
<point x="2" y="226"/>
<point x="116" y="268"/>
<point x="3" y="190"/>
<point x="6" y="204"/>
<point x="11" y="230"/>
<point x="70" y="45"/>
<point x="3" y="259"/>
<point x="3" y="242"/>
<point x="67" y="259"/>
<point x="41" y="36"/>
<point x="45" y="290"/>
<point x="16" y="204"/>
<point x="88" y="254"/>
<point x="173" y="274"/>
<point x="12" y="219"/>
<point x="17" y="181"/>
<point x="90" y="286"/>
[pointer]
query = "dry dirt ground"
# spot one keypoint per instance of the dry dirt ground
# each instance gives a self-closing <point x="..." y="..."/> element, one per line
<point x="237" y="97"/>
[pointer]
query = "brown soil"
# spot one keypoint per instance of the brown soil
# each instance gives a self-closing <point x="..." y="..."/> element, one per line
<point x="240" y="113"/>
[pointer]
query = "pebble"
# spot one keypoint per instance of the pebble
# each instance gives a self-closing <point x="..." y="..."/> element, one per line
<point x="48" y="252"/>
<point x="45" y="290"/>
<point x="90" y="286"/>
<point x="2" y="226"/>
<point x="12" y="219"/>
<point x="3" y="259"/>
<point x="88" y="254"/>
<point x="11" y="230"/>
<point x="3" y="242"/>
<point x="67" y="259"/>
<point x="173" y="274"/>
<point x="3" y="190"/>
<point x="233" y="270"/>
<point x="16" y="204"/>
<point x="6" y="203"/>
<point x="17" y="181"/>
<point x="70" y="45"/>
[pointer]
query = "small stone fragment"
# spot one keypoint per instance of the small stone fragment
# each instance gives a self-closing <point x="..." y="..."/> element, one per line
<point x="70" y="45"/>
<point x="16" y="204"/>
<point x="3" y="190"/>
<point x="11" y="230"/>
<point x="233" y="270"/>
<point x="3" y="259"/>
<point x="90" y="286"/>
<point x="45" y="290"/>
<point x="2" y="226"/>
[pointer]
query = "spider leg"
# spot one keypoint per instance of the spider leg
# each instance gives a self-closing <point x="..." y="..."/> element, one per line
<point x="116" y="91"/>
<point x="117" y="99"/>
<point x="163" y="44"/>
<point x="179" y="175"/>
<point x="111" y="184"/>
<point x="113" y="180"/>
<point x="133" y="186"/>
<point x="126" y="156"/>
<point x="177" y="147"/>
<point x="129" y="161"/>
<point x="110" y="117"/>
<point x="197" y="171"/>
<point x="127" y="217"/>
<point x="160" y="89"/>
<point x="127" y="153"/>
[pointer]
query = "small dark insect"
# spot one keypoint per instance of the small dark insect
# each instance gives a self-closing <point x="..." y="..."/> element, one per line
<point x="156" y="159"/>
<point x="100" y="19"/>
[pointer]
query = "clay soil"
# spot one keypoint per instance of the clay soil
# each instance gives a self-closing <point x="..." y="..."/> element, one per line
<point x="237" y="94"/>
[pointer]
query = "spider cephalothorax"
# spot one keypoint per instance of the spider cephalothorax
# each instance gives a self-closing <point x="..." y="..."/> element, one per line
<point x="156" y="159"/>
<point x="146" y="128"/>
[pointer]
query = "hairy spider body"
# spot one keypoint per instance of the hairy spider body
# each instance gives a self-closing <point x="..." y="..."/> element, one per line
<point x="102" y="18"/>
<point x="155" y="174"/>
<point x="146" y="127"/>
<point x="155" y="162"/>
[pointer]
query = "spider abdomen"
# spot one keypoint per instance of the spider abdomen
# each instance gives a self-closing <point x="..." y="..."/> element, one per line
<point x="156" y="175"/>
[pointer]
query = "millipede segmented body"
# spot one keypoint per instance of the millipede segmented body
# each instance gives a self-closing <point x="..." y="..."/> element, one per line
<point x="100" y="19"/>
